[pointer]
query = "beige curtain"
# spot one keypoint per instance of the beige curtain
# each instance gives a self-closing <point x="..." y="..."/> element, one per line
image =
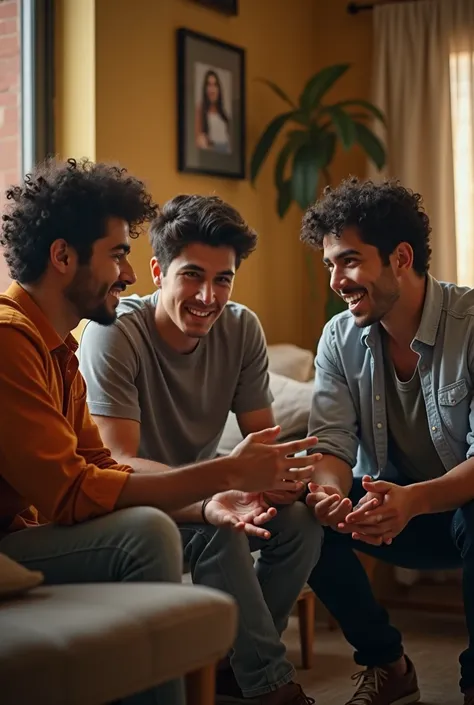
<point x="423" y="81"/>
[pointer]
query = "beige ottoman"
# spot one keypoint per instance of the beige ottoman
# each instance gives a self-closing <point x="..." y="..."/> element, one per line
<point x="92" y="644"/>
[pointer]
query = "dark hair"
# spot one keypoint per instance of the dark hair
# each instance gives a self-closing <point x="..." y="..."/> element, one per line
<point x="204" y="219"/>
<point x="206" y="103"/>
<point x="69" y="200"/>
<point x="385" y="214"/>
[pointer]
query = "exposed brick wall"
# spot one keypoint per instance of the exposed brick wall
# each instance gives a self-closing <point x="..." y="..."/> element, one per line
<point x="10" y="108"/>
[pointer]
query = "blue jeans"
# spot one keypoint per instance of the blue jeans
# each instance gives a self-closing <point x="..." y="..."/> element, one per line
<point x="132" y="545"/>
<point x="429" y="542"/>
<point x="266" y="593"/>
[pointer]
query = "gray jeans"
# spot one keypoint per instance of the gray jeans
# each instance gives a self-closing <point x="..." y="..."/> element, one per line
<point x="132" y="545"/>
<point x="266" y="593"/>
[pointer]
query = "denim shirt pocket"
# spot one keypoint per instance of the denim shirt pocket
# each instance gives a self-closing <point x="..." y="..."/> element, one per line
<point x="454" y="402"/>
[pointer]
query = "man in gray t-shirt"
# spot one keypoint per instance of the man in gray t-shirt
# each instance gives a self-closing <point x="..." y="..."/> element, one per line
<point x="161" y="382"/>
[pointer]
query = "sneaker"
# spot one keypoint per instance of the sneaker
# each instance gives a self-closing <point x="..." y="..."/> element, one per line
<point x="381" y="686"/>
<point x="289" y="694"/>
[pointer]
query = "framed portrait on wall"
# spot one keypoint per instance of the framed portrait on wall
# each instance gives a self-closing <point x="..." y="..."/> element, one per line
<point x="211" y="106"/>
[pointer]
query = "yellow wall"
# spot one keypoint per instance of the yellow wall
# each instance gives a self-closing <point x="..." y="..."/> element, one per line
<point x="135" y="110"/>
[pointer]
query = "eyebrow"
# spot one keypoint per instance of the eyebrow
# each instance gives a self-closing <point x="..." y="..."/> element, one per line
<point x="121" y="248"/>
<point x="201" y="270"/>
<point x="342" y="255"/>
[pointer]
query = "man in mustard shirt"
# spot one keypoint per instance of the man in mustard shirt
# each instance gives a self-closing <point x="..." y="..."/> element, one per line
<point x="66" y="236"/>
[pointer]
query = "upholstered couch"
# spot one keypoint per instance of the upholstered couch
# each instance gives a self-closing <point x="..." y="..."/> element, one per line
<point x="94" y="644"/>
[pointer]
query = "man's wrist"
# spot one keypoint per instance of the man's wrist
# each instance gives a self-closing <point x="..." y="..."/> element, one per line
<point x="418" y="498"/>
<point x="204" y="504"/>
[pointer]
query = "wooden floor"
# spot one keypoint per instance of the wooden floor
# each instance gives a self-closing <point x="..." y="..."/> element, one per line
<point x="433" y="642"/>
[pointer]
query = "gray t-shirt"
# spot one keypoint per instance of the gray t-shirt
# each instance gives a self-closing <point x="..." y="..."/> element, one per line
<point x="181" y="400"/>
<point x="410" y="448"/>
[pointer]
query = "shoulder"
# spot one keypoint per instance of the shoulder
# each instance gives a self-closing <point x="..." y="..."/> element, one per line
<point x="16" y="325"/>
<point x="341" y="331"/>
<point x="237" y="317"/>
<point x="457" y="300"/>
<point x="130" y="325"/>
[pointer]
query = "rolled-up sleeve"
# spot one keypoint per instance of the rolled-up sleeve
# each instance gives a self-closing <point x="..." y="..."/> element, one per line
<point x="58" y="466"/>
<point x="333" y="417"/>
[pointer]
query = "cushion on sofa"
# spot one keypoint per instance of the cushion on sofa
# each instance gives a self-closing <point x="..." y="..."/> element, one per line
<point x="78" y="644"/>
<point x="291" y="406"/>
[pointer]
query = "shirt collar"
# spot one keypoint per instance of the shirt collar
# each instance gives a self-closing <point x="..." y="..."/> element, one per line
<point x="432" y="308"/>
<point x="50" y="336"/>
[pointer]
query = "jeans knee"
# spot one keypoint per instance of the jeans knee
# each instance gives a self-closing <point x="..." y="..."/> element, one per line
<point x="301" y="525"/>
<point x="152" y="540"/>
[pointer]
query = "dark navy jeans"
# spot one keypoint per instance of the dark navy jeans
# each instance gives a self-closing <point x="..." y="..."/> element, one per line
<point x="428" y="542"/>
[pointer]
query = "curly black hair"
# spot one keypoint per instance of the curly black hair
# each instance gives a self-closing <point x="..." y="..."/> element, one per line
<point x="204" y="219"/>
<point x="385" y="215"/>
<point x="67" y="200"/>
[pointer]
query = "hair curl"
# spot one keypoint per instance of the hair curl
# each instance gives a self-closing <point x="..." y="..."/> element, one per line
<point x="69" y="200"/>
<point x="385" y="215"/>
<point x="203" y="219"/>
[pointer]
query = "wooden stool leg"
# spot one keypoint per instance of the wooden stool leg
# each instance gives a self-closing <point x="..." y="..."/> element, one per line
<point x="306" y="607"/>
<point x="201" y="686"/>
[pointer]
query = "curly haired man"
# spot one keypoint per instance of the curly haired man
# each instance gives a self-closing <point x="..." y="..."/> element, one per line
<point x="393" y="411"/>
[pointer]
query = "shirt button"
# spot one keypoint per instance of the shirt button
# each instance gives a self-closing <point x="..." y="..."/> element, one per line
<point x="379" y="425"/>
<point x="377" y="397"/>
<point x="433" y="428"/>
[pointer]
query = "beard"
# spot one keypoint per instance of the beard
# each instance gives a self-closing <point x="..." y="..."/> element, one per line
<point x="88" y="301"/>
<point x="385" y="293"/>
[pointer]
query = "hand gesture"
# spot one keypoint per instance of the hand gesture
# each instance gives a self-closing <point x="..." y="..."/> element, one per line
<point x="330" y="506"/>
<point x="244" y="511"/>
<point x="266" y="465"/>
<point x="381" y="523"/>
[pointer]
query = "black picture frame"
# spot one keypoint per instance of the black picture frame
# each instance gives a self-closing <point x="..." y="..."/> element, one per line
<point x="211" y="142"/>
<point x="227" y="7"/>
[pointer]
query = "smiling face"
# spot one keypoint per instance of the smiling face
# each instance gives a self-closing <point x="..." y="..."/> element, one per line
<point x="359" y="276"/>
<point x="194" y="292"/>
<point x="95" y="287"/>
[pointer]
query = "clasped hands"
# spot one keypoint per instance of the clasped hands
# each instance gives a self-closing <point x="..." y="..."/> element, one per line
<point x="381" y="514"/>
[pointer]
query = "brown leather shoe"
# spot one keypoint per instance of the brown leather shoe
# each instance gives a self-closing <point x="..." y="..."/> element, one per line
<point x="383" y="686"/>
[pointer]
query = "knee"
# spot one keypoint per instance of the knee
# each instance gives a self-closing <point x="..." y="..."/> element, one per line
<point x="300" y="524"/>
<point x="152" y="538"/>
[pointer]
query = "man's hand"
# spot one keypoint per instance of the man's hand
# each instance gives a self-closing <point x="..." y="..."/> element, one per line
<point x="330" y="506"/>
<point x="267" y="465"/>
<point x="244" y="511"/>
<point x="380" y="524"/>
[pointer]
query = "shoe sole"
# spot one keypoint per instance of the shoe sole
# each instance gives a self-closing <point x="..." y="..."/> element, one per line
<point x="408" y="699"/>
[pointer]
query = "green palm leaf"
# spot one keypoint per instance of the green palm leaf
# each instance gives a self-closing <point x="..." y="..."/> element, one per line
<point x="319" y="84"/>
<point x="371" y="144"/>
<point x="276" y="89"/>
<point x="265" y="143"/>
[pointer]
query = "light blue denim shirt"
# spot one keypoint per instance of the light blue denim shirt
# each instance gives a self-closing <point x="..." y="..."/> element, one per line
<point x="348" y="410"/>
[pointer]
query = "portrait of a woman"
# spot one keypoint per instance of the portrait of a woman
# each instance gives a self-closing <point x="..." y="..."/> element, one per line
<point x="212" y="119"/>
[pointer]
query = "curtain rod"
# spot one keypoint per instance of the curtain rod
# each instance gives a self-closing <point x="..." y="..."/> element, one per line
<point x="353" y="8"/>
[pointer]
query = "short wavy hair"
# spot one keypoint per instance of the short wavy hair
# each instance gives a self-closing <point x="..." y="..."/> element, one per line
<point x="385" y="215"/>
<point x="187" y="219"/>
<point x="69" y="200"/>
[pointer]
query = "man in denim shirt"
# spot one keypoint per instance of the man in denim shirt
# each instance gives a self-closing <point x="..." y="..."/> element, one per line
<point x="393" y="412"/>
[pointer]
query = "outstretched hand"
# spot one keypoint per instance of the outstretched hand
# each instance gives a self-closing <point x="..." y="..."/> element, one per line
<point x="244" y="511"/>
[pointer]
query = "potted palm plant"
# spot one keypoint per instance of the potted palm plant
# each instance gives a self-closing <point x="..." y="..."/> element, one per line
<point x="313" y="128"/>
